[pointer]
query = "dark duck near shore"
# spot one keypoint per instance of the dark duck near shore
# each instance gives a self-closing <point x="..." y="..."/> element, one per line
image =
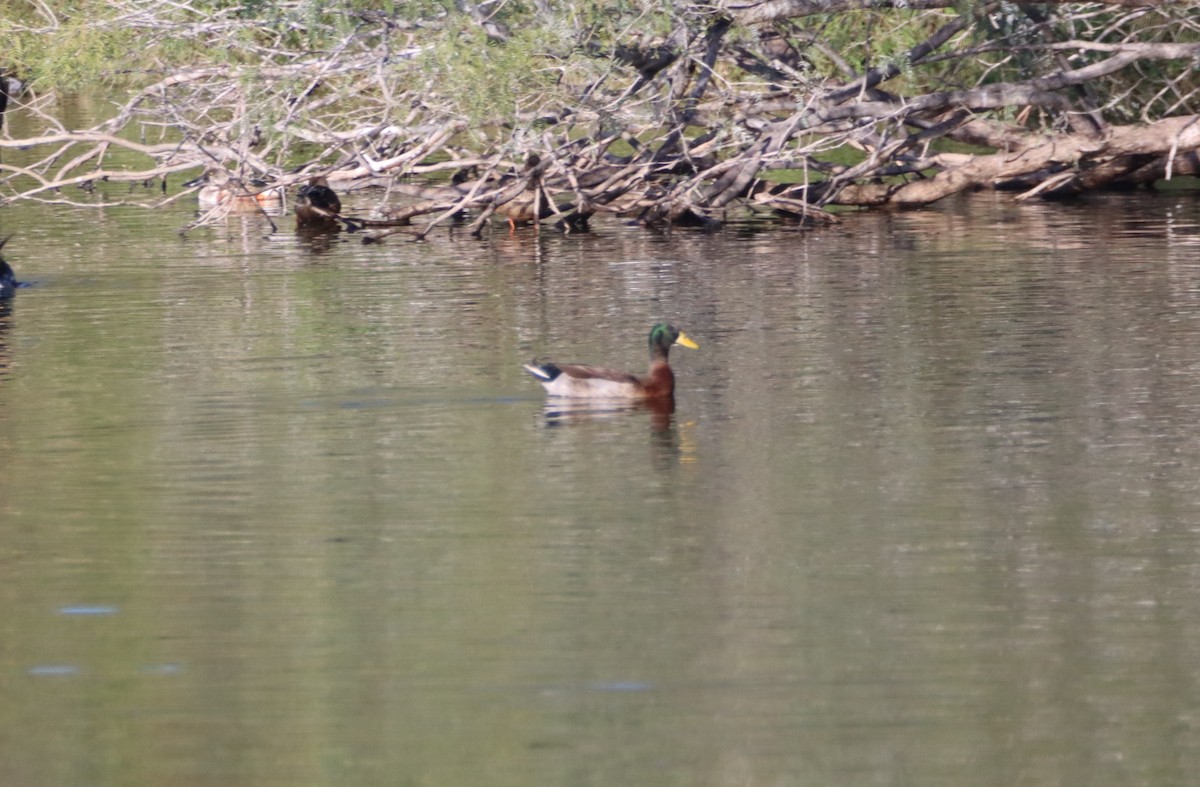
<point x="317" y="205"/>
<point x="598" y="382"/>
<point x="8" y="279"/>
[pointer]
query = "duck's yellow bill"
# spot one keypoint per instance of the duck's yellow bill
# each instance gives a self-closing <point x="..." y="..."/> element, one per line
<point x="686" y="341"/>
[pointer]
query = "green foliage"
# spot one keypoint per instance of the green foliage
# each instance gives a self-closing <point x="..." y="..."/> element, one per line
<point x="552" y="45"/>
<point x="489" y="82"/>
<point x="74" y="57"/>
<point x="869" y="39"/>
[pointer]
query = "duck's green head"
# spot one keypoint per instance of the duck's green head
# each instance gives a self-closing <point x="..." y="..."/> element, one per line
<point x="663" y="337"/>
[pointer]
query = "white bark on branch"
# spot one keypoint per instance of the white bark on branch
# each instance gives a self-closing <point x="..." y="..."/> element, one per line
<point x="1053" y="152"/>
<point x="749" y="12"/>
<point x="701" y="115"/>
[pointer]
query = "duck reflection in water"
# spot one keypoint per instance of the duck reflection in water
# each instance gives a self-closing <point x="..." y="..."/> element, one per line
<point x="668" y="442"/>
<point x="566" y="412"/>
<point x="8" y="288"/>
<point x="317" y="240"/>
<point x="5" y="312"/>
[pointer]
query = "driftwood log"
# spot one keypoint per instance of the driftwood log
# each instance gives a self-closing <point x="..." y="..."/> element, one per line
<point x="741" y="106"/>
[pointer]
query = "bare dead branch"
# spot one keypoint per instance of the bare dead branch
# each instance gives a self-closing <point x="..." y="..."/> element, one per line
<point x="701" y="116"/>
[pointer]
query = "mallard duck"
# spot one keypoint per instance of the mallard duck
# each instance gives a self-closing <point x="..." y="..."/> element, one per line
<point x="524" y="201"/>
<point x="317" y="204"/>
<point x="8" y="279"/>
<point x="595" y="382"/>
<point x="219" y="189"/>
<point x="529" y="208"/>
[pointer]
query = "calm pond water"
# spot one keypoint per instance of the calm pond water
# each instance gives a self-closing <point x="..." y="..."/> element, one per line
<point x="278" y="510"/>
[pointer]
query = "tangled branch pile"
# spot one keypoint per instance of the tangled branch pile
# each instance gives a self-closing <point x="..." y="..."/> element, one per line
<point x="667" y="111"/>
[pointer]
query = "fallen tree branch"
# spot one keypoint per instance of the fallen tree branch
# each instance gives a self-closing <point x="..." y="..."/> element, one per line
<point x="679" y="127"/>
<point x="757" y="12"/>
